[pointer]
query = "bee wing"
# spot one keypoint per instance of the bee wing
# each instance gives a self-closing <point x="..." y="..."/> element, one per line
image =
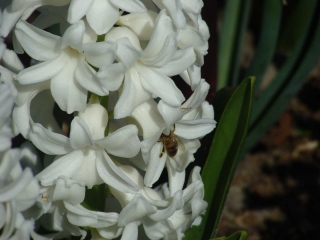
<point x="181" y="146"/>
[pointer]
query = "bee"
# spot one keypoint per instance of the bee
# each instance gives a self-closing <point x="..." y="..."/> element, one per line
<point x="171" y="144"/>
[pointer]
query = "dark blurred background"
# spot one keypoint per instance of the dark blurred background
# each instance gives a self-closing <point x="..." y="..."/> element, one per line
<point x="276" y="187"/>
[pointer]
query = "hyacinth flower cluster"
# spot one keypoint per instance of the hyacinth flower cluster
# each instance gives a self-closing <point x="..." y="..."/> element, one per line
<point x="109" y="68"/>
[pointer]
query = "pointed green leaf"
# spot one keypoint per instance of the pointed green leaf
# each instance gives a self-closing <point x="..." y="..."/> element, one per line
<point x="223" y="157"/>
<point x="272" y="104"/>
<point x="271" y="20"/>
<point x="234" y="26"/>
<point x="270" y="93"/>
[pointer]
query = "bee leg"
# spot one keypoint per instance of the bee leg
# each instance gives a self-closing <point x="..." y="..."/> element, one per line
<point x="162" y="151"/>
<point x="174" y="127"/>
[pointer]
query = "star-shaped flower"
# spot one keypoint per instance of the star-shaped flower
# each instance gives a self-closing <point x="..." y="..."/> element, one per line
<point x="64" y="61"/>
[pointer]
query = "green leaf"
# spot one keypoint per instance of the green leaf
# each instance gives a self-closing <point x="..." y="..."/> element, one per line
<point x="297" y="15"/>
<point x="230" y="38"/>
<point x="267" y="41"/>
<point x="287" y="83"/>
<point x="221" y="100"/>
<point x="223" y="157"/>
<point x="236" y="236"/>
<point x="238" y="43"/>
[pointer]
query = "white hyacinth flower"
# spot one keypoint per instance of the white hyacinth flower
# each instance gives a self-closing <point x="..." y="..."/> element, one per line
<point x="63" y="58"/>
<point x="146" y="73"/>
<point x="102" y="14"/>
<point x="18" y="192"/>
<point x="86" y="159"/>
<point x="155" y="210"/>
<point x="106" y="115"/>
<point x="23" y="9"/>
<point x="7" y="101"/>
<point x="188" y="122"/>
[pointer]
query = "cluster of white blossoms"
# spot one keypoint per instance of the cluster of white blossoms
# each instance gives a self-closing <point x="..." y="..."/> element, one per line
<point x="108" y="64"/>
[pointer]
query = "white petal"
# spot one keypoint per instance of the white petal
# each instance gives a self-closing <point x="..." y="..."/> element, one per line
<point x="193" y="37"/>
<point x="126" y="53"/>
<point x="194" y="176"/>
<point x="24" y="230"/>
<point x="147" y="119"/>
<point x="30" y="158"/>
<point x="176" y="179"/>
<point x="164" y="28"/>
<point x="41" y="111"/>
<point x="7" y="101"/>
<point x="11" y="190"/>
<point x="81" y="216"/>
<point x="191" y="190"/>
<point x="207" y="110"/>
<point x="156" y="230"/>
<point x="86" y="77"/>
<point x="80" y="135"/>
<point x="102" y="15"/>
<point x="67" y="165"/>
<point x="148" y="144"/>
<point x="43" y="71"/>
<point x="78" y="9"/>
<point x="12" y="61"/>
<point x="117" y="33"/>
<point x="21" y="120"/>
<point x="111" y="76"/>
<point x="134" y="6"/>
<point x="101" y="53"/>
<point x="160" y="85"/>
<point x="39" y="44"/>
<point x="163" y="214"/>
<point x="193" y="6"/>
<point x="155" y="165"/>
<point x="184" y="155"/>
<point x="113" y="176"/>
<point x="182" y="59"/>
<point x="130" y="231"/>
<point x="98" y="124"/>
<point x="9" y="19"/>
<point x="174" y="8"/>
<point x="142" y="24"/>
<point x="49" y="142"/>
<point x="135" y="210"/>
<point x="29" y="195"/>
<point x="192" y="129"/>
<point x="198" y="96"/>
<point x="198" y="207"/>
<point x="66" y="91"/>
<point x="169" y="113"/>
<point x="73" y="36"/>
<point x="90" y="35"/>
<point x="142" y="95"/>
<point x="68" y="190"/>
<point x="192" y="76"/>
<point x="164" y="55"/>
<point x="124" y="106"/>
<point x="123" y="143"/>
<point x="203" y="28"/>
<point x="88" y="172"/>
<point x="109" y="232"/>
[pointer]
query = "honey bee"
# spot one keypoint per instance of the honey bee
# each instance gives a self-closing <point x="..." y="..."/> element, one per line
<point x="171" y="143"/>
